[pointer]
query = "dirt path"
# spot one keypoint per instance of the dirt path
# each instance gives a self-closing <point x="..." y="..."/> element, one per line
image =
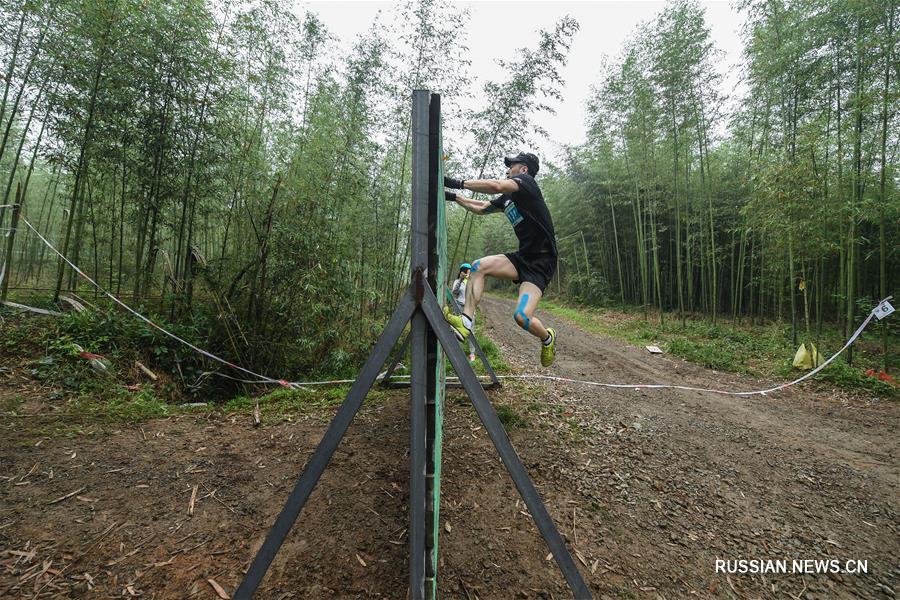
<point x="648" y="488"/>
<point x="806" y="473"/>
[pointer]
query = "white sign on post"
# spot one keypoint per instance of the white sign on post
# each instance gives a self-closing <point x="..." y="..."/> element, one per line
<point x="883" y="309"/>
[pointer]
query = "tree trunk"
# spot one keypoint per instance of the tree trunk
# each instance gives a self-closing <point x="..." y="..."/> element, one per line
<point x="612" y="211"/>
<point x="6" y="267"/>
<point x="882" y="244"/>
<point x="82" y="158"/>
<point x="25" y="78"/>
<point x="678" y="274"/>
<point x="855" y="196"/>
<point x="15" y="162"/>
<point x="35" y="244"/>
<point x="791" y="285"/>
<point x="656" y="265"/>
<point x="12" y="66"/>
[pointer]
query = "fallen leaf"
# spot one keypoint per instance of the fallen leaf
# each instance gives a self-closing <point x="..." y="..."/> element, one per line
<point x="164" y="563"/>
<point x="219" y="590"/>
<point x="581" y="558"/>
<point x="69" y="495"/>
<point x="193" y="499"/>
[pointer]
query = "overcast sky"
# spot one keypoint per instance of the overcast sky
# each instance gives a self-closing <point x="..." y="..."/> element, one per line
<point x="495" y="31"/>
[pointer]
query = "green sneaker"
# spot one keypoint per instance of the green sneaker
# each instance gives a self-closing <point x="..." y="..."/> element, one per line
<point x="548" y="351"/>
<point x="456" y="325"/>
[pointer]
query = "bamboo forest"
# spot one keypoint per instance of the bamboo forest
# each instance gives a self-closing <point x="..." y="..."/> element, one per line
<point x="222" y="165"/>
<point x="468" y="299"/>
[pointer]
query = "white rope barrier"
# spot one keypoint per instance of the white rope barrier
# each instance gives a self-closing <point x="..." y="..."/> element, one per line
<point x="635" y="386"/>
<point x="205" y="353"/>
<point x="881" y="310"/>
<point x="653" y="386"/>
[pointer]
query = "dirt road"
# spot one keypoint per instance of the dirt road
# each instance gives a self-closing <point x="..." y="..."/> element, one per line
<point x="648" y="488"/>
<point x="684" y="478"/>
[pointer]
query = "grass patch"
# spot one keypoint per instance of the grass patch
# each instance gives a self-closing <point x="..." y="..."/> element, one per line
<point x="491" y="352"/>
<point x="124" y="406"/>
<point x="757" y="350"/>
<point x="841" y="374"/>
<point x="510" y="418"/>
<point x="120" y="406"/>
<point x="284" y="404"/>
<point x="85" y="414"/>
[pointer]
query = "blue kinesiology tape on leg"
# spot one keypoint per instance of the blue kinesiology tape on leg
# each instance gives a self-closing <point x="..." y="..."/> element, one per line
<point x="520" y="312"/>
<point x="475" y="266"/>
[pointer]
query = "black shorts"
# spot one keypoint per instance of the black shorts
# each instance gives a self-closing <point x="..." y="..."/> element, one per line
<point x="534" y="268"/>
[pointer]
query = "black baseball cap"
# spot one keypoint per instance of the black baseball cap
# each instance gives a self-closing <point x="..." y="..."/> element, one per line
<point x="526" y="158"/>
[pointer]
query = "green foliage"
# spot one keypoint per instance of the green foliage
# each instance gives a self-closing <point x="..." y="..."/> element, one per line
<point x="245" y="179"/>
<point x="681" y="210"/>
<point x="122" y="338"/>
<point x="121" y="405"/>
<point x="588" y="288"/>
<point x="843" y="375"/>
<point x="711" y="356"/>
<point x="51" y="346"/>
<point x="491" y="352"/>
<point x="222" y="165"/>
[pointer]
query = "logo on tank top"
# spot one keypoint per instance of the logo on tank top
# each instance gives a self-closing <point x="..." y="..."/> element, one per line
<point x="512" y="213"/>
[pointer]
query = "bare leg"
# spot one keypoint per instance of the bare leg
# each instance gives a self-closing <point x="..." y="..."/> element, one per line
<point x="498" y="266"/>
<point x="529" y="296"/>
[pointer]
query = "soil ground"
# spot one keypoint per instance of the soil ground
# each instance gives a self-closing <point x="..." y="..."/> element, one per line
<point x="649" y="488"/>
